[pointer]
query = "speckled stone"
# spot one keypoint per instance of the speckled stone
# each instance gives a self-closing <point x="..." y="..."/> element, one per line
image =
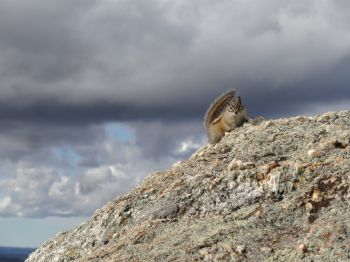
<point x="276" y="191"/>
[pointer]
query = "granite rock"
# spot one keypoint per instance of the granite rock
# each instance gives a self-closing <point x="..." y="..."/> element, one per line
<point x="274" y="191"/>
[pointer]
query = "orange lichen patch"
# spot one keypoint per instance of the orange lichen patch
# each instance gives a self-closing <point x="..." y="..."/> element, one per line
<point x="328" y="235"/>
<point x="176" y="184"/>
<point x="300" y="167"/>
<point x="177" y="174"/>
<point x="149" y="190"/>
<point x="136" y="239"/>
<point x="311" y="168"/>
<point x="322" y="195"/>
<point x="261" y="176"/>
<point x="268" y="167"/>
<point x="237" y="164"/>
<point x="216" y="162"/>
<point x="214" y="182"/>
<point x="316" y="194"/>
<point x="285" y="205"/>
<point x="301" y="119"/>
<point x="339" y="159"/>
<point x="227" y="247"/>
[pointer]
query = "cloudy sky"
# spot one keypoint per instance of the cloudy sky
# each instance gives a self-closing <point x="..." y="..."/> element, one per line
<point x="95" y="94"/>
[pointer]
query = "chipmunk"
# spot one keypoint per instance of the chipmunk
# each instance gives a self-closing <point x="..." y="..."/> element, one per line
<point x="224" y="114"/>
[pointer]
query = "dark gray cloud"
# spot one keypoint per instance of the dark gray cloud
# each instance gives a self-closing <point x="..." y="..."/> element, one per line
<point x="158" y="138"/>
<point x="34" y="142"/>
<point x="326" y="88"/>
<point x="94" y="61"/>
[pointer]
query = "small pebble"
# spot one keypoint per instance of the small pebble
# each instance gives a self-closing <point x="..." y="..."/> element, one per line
<point x="241" y="249"/>
<point x="313" y="153"/>
<point x="302" y="248"/>
<point x="239" y="164"/>
<point x="316" y="194"/>
<point x="309" y="206"/>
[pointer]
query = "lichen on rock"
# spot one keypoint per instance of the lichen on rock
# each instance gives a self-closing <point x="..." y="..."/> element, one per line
<point x="276" y="191"/>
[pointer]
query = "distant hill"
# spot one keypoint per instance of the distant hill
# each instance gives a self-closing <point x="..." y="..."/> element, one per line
<point x="13" y="254"/>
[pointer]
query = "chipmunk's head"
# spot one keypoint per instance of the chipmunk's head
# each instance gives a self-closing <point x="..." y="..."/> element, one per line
<point x="235" y="106"/>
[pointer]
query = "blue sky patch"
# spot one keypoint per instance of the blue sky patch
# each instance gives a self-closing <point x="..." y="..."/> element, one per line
<point x="120" y="132"/>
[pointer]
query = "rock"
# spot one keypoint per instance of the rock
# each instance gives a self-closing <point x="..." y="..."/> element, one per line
<point x="239" y="164"/>
<point x="309" y="206"/>
<point x="313" y="153"/>
<point x="302" y="248"/>
<point x="241" y="249"/>
<point x="278" y="191"/>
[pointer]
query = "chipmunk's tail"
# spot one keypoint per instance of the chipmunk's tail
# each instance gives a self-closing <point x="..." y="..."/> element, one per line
<point x="217" y="106"/>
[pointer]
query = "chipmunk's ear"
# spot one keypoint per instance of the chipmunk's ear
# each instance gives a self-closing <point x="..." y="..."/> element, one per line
<point x="238" y="105"/>
<point x="217" y="119"/>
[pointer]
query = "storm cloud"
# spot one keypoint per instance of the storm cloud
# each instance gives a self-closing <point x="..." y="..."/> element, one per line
<point x="94" y="94"/>
<point x="91" y="61"/>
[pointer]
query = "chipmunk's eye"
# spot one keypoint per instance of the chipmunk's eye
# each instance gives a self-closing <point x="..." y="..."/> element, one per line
<point x="230" y="109"/>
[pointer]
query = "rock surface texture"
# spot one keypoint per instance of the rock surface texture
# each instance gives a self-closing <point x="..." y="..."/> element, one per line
<point x="277" y="191"/>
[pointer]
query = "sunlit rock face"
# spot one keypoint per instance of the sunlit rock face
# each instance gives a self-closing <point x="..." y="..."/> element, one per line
<point x="276" y="191"/>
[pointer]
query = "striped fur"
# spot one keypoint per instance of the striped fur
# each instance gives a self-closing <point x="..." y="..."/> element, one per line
<point x="216" y="108"/>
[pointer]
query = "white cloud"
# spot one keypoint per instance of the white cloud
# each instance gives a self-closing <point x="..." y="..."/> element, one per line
<point x="40" y="192"/>
<point x="188" y="146"/>
<point x="5" y="202"/>
<point x="321" y="108"/>
<point x="37" y="190"/>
